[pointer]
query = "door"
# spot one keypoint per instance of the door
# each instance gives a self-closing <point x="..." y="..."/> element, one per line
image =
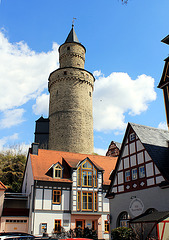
<point x="80" y="224"/>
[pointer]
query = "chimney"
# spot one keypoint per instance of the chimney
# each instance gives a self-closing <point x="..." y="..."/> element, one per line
<point x="35" y="148"/>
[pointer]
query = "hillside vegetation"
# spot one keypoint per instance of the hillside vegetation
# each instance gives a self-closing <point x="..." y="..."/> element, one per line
<point x="12" y="167"/>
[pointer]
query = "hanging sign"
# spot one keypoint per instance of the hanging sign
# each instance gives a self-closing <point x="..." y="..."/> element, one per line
<point x="136" y="207"/>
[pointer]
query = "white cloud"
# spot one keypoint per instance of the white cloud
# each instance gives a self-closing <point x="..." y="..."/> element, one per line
<point x="100" y="151"/>
<point x="41" y="107"/>
<point x="118" y="94"/>
<point x="12" y="118"/>
<point x="97" y="73"/>
<point x="24" y="75"/>
<point x="163" y="125"/>
<point x="4" y="140"/>
<point x="23" y="72"/>
<point x="9" y="143"/>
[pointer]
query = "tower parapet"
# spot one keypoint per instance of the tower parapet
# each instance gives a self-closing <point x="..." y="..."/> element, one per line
<point x="70" y="107"/>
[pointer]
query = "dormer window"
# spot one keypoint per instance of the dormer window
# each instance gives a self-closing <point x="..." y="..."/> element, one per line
<point x="57" y="171"/>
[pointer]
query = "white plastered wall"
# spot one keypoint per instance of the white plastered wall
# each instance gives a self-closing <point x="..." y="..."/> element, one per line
<point x="49" y="218"/>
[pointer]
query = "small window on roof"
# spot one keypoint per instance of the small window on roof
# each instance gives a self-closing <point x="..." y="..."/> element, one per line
<point x="132" y="136"/>
<point x="57" y="171"/>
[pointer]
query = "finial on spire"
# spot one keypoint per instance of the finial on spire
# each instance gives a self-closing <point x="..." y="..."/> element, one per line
<point x="73" y="22"/>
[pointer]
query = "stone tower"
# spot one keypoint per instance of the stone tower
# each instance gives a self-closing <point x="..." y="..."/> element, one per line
<point x="70" y="107"/>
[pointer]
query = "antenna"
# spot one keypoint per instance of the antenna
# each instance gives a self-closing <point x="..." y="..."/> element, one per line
<point x="73" y="21"/>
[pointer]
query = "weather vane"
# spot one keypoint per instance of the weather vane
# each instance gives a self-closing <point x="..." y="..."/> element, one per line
<point x="73" y="22"/>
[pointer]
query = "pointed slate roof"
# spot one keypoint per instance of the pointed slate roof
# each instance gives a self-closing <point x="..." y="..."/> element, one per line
<point x="72" y="37"/>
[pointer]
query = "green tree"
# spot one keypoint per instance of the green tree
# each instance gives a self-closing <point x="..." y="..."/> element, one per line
<point x="12" y="165"/>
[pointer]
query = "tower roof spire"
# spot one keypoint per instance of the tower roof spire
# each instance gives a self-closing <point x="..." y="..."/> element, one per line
<point x="72" y="37"/>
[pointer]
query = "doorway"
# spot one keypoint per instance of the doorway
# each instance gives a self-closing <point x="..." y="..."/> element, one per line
<point x="80" y="224"/>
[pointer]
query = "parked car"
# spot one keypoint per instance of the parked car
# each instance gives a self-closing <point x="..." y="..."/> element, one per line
<point x="16" y="236"/>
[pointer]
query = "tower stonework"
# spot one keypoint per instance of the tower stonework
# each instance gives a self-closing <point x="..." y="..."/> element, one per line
<point x="70" y="107"/>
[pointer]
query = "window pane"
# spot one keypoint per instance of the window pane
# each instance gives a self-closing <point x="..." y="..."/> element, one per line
<point x="127" y="176"/>
<point x="134" y="173"/>
<point x="84" y="178"/>
<point x="57" y="225"/>
<point x="89" y="178"/>
<point x="87" y="165"/>
<point x="58" y="173"/>
<point x="90" y="201"/>
<point x="56" y="196"/>
<point x="141" y="172"/>
<point x="84" y="200"/>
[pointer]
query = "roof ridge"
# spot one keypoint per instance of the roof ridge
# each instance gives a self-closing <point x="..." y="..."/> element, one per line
<point x="155" y="129"/>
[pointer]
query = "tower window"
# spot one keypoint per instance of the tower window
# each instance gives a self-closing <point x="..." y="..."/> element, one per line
<point x="90" y="94"/>
<point x="68" y="48"/>
<point x="65" y="72"/>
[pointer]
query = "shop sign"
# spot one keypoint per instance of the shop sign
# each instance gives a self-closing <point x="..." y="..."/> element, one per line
<point x="136" y="207"/>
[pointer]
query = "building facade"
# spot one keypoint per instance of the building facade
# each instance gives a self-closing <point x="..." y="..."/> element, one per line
<point x="140" y="181"/>
<point x="67" y="190"/>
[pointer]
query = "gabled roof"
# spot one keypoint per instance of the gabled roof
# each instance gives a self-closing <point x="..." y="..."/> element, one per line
<point x="72" y="37"/>
<point x="45" y="158"/>
<point x="155" y="142"/>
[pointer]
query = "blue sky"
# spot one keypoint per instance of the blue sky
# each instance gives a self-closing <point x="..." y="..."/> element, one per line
<point x="124" y="52"/>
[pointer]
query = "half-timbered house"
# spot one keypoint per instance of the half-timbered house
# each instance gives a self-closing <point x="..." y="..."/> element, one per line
<point x="67" y="190"/>
<point x="139" y="181"/>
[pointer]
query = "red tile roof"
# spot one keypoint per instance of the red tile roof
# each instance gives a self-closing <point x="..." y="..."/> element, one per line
<point x="46" y="158"/>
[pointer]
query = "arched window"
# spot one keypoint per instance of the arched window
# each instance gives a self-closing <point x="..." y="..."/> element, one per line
<point x="87" y="175"/>
<point x="123" y="219"/>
